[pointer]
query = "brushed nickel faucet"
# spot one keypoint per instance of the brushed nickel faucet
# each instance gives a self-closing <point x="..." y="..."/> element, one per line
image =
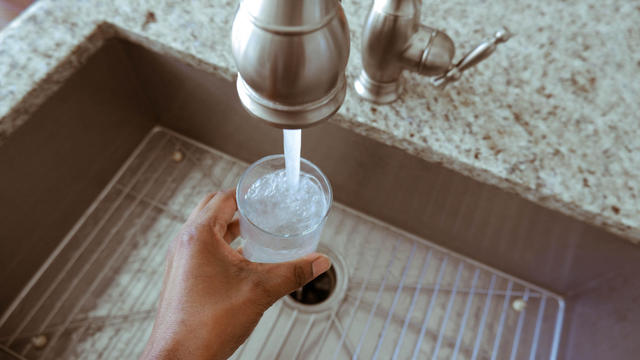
<point x="394" y="40"/>
<point x="292" y="55"/>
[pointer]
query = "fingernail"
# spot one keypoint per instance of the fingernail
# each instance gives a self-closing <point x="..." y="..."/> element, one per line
<point x="320" y="265"/>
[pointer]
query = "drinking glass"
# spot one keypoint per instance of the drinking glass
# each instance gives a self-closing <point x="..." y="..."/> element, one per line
<point x="261" y="245"/>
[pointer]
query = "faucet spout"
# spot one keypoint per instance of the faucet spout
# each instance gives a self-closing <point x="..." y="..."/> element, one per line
<point x="291" y="57"/>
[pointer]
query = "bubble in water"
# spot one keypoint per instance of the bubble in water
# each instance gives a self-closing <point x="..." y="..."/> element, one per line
<point x="276" y="207"/>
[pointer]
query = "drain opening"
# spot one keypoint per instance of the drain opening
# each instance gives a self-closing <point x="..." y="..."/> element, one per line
<point x="318" y="290"/>
<point x="325" y="292"/>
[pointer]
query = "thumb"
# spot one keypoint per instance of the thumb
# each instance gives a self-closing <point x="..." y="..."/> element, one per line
<point x="283" y="278"/>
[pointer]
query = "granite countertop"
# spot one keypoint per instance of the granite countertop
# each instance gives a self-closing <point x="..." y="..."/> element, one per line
<point x="553" y="115"/>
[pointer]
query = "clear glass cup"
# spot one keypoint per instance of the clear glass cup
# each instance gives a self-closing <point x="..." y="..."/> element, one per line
<point x="264" y="246"/>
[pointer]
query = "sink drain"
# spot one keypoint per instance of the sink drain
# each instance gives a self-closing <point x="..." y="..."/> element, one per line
<point x="317" y="290"/>
<point x="325" y="291"/>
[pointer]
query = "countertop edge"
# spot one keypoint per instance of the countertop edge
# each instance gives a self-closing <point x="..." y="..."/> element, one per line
<point x="486" y="176"/>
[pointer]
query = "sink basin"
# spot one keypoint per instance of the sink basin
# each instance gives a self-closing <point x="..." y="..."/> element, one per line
<point x="429" y="263"/>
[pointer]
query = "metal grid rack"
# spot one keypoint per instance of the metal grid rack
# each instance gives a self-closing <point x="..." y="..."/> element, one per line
<point x="95" y="296"/>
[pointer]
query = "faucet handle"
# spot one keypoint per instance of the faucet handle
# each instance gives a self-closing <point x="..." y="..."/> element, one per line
<point x="473" y="57"/>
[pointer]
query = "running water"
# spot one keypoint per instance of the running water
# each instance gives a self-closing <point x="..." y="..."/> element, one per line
<point x="286" y="201"/>
<point x="292" y="141"/>
<point x="284" y="210"/>
<point x="279" y="209"/>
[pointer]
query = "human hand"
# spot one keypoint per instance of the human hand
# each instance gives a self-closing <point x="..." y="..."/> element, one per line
<point x="213" y="297"/>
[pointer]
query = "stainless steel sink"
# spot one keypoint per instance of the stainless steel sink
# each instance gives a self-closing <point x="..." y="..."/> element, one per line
<point x="429" y="263"/>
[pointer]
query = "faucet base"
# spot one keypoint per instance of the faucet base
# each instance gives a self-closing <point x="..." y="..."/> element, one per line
<point x="377" y="92"/>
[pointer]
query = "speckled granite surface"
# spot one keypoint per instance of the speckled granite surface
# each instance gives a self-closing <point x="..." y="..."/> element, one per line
<point x="554" y="115"/>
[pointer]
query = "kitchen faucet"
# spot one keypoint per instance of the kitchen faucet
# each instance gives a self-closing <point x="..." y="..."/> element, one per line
<point x="292" y="55"/>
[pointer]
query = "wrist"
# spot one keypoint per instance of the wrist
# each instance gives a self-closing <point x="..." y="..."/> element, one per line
<point x="180" y="347"/>
<point x="201" y="339"/>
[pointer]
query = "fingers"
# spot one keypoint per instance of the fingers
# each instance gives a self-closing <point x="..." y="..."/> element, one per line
<point x="219" y="211"/>
<point x="201" y="205"/>
<point x="205" y="200"/>
<point x="282" y="278"/>
<point x="233" y="231"/>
